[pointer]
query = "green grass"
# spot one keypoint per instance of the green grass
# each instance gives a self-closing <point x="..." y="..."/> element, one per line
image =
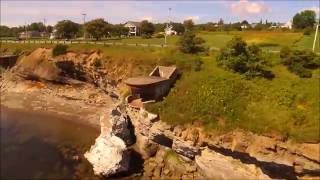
<point x="222" y="101"/>
<point x="268" y="40"/>
<point x="306" y="42"/>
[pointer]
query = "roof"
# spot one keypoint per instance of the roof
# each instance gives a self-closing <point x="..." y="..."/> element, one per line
<point x="138" y="24"/>
<point x="164" y="71"/>
<point x="146" y="80"/>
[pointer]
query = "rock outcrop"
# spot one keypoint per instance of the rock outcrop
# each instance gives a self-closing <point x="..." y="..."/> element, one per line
<point x="110" y="154"/>
<point x="217" y="166"/>
<point x="121" y="126"/>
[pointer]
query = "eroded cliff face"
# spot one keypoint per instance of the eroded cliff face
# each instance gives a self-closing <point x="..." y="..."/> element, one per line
<point x="235" y="155"/>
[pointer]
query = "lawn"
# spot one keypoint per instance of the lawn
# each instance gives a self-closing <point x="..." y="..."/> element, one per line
<point x="267" y="40"/>
<point x="286" y="105"/>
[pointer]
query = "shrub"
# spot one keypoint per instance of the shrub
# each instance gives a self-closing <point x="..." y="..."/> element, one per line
<point x="299" y="61"/>
<point x="243" y="59"/>
<point x="190" y="44"/>
<point x="17" y="52"/>
<point x="307" y="31"/>
<point x="97" y="63"/>
<point x="59" y="49"/>
<point x="159" y="36"/>
<point x="146" y="36"/>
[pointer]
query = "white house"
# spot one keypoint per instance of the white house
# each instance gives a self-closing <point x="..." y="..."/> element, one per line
<point x="287" y="25"/>
<point x="134" y="28"/>
<point x="169" y="31"/>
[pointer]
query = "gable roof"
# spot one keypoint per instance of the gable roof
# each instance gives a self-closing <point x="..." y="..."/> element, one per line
<point x="163" y="71"/>
<point x="134" y="23"/>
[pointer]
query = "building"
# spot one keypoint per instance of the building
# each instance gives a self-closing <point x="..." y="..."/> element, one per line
<point x="287" y="25"/>
<point x="134" y="28"/>
<point x="168" y="31"/>
<point x="29" y="34"/>
<point x="155" y="86"/>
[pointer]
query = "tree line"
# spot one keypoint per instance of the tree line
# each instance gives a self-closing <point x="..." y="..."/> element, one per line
<point x="98" y="28"/>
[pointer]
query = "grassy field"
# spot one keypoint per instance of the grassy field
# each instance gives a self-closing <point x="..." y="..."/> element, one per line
<point x="286" y="105"/>
<point x="222" y="101"/>
<point x="267" y="40"/>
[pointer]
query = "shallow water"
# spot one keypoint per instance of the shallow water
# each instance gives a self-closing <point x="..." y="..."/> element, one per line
<point x="44" y="146"/>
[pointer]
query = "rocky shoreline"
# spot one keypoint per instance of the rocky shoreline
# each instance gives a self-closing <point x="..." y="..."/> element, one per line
<point x="167" y="151"/>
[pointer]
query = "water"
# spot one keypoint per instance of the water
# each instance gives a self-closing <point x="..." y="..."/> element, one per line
<point x="44" y="146"/>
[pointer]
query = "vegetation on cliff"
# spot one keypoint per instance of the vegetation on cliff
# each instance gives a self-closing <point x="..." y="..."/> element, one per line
<point x="222" y="100"/>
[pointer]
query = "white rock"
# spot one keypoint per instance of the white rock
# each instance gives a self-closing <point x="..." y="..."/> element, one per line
<point x="108" y="155"/>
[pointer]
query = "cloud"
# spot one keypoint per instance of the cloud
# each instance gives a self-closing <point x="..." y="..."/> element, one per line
<point x="148" y="18"/>
<point x="193" y="18"/>
<point x="245" y="7"/>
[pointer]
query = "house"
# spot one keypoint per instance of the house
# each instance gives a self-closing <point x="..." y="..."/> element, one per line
<point x="244" y="26"/>
<point x="169" y="31"/>
<point x="134" y="28"/>
<point x="287" y="25"/>
<point x="155" y="86"/>
<point x="29" y="34"/>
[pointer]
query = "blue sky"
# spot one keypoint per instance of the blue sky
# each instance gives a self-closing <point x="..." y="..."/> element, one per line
<point x="15" y="13"/>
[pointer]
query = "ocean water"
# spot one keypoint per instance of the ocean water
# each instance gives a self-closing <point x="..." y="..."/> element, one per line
<point x="44" y="146"/>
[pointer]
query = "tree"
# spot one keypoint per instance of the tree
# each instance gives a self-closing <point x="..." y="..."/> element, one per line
<point x="245" y="22"/>
<point x="67" y="29"/>
<point x="118" y="30"/>
<point x="147" y="28"/>
<point x="36" y="26"/>
<point x="159" y="27"/>
<point x="304" y="19"/>
<point x="97" y="28"/>
<point x="188" y="25"/>
<point x="220" y="22"/>
<point x="49" y="29"/>
<point x="5" y="31"/>
<point x="178" y="27"/>
<point x="237" y="56"/>
<point x="191" y="44"/>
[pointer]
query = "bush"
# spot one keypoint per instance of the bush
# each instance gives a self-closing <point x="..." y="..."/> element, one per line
<point x="97" y="63"/>
<point x="299" y="61"/>
<point x="146" y="36"/>
<point x="307" y="31"/>
<point x="159" y="36"/>
<point x="17" y="52"/>
<point x="59" y="49"/>
<point x="190" y="44"/>
<point x="243" y="59"/>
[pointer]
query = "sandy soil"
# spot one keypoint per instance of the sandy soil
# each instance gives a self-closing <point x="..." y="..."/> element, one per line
<point x="84" y="103"/>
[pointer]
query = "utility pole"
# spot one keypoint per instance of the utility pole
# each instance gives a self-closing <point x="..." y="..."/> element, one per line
<point x="25" y="30"/>
<point x="316" y="34"/>
<point x="44" y="23"/>
<point x="84" y="22"/>
<point x="167" y="27"/>
<point x="315" y="38"/>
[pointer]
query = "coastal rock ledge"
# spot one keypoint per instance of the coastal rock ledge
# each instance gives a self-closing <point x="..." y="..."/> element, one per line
<point x="110" y="155"/>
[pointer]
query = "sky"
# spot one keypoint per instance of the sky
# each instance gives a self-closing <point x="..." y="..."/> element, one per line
<point x="15" y="13"/>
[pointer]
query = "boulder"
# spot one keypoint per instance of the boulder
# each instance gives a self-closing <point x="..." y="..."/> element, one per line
<point x="217" y="166"/>
<point x="108" y="155"/>
<point x="162" y="134"/>
<point x="185" y="148"/>
<point x="121" y="126"/>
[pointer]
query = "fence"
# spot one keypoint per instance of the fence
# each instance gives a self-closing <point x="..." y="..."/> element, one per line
<point x="84" y="42"/>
